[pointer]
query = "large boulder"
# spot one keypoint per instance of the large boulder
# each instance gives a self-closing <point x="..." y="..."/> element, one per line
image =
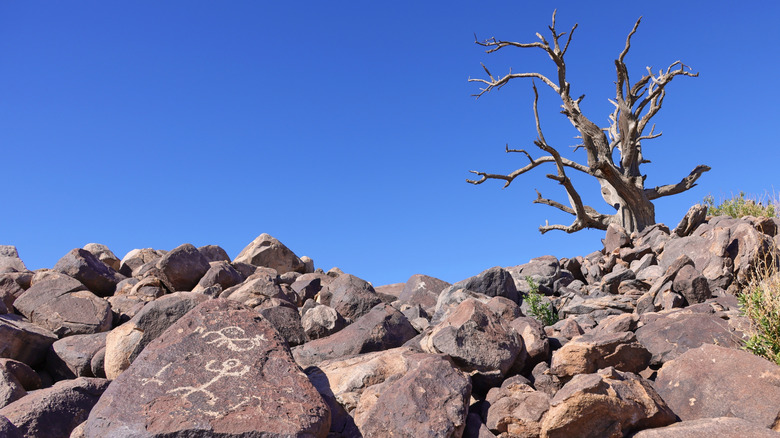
<point x="607" y="404"/>
<point x="593" y="351"/>
<point x="478" y="340"/>
<point x="85" y="267"/>
<point x="321" y="321"/>
<point x="183" y="267"/>
<point x="544" y="271"/>
<point x="493" y="282"/>
<point x="71" y="357"/>
<point x="64" y="306"/>
<point x="667" y="337"/>
<point x="134" y="260"/>
<point x="23" y="341"/>
<point x="515" y="409"/>
<point x="269" y="252"/>
<point x="221" y="370"/>
<point x="720" y="427"/>
<point x="423" y="290"/>
<point x="54" y="412"/>
<point x="104" y="254"/>
<point x="430" y="400"/>
<point x="352" y="297"/>
<point x="382" y="328"/>
<point x="220" y="273"/>
<point x="10" y="388"/>
<point x="713" y="381"/>
<point x="9" y="259"/>
<point x="126" y="342"/>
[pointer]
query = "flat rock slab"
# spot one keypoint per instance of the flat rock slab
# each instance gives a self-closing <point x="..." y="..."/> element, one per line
<point x="221" y="370"/>
<point x="720" y="427"/>
<point x="712" y="381"/>
<point x="668" y="337"/>
<point x="23" y="341"/>
<point x="54" y="412"/>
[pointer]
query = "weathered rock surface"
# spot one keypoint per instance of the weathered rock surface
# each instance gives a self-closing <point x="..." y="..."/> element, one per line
<point x="104" y="254"/>
<point x="479" y="342"/>
<point x="669" y="336"/>
<point x="712" y="381"/>
<point x="54" y="412"/>
<point x="26" y="376"/>
<point x="720" y="427"/>
<point x="321" y="321"/>
<point x="10" y="388"/>
<point x="222" y="370"/>
<point x="64" y="306"/>
<point x="605" y="404"/>
<point x="71" y="357"/>
<point x="516" y="409"/>
<point x="125" y="343"/>
<point x="382" y="328"/>
<point x="132" y="262"/>
<point x="9" y="259"/>
<point x="494" y="282"/>
<point x="591" y="352"/>
<point x="269" y="252"/>
<point x="183" y="267"/>
<point x="352" y="297"/>
<point x="23" y="341"/>
<point x="430" y="400"/>
<point x="423" y="290"/>
<point x="85" y="267"/>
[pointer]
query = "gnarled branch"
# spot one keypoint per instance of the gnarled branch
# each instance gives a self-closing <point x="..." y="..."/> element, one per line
<point x="672" y="189"/>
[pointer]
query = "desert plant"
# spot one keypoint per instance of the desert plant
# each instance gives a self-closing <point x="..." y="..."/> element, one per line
<point x="539" y="308"/>
<point x="621" y="181"/>
<point x="760" y="302"/>
<point x="743" y="205"/>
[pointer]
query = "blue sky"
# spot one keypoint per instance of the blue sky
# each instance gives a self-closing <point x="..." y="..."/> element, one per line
<point x="347" y="129"/>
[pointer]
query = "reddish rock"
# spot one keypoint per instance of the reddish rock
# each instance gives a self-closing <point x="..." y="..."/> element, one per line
<point x="65" y="307"/>
<point x="183" y="267"/>
<point x="22" y="372"/>
<point x="104" y="255"/>
<point x="591" y="352"/>
<point x="10" y="290"/>
<point x="71" y="357"/>
<point x="692" y="285"/>
<point x="8" y="430"/>
<point x="23" y="341"/>
<point x="382" y="328"/>
<point x="91" y="272"/>
<point x="135" y="259"/>
<point x="321" y="321"/>
<point x="479" y="342"/>
<point x="221" y="370"/>
<point x="10" y="388"/>
<point x="430" y="400"/>
<point x="423" y="290"/>
<point x="535" y="340"/>
<point x="214" y="253"/>
<point x="269" y="252"/>
<point x="615" y="238"/>
<point x="695" y="216"/>
<point x="712" y="381"/>
<point x="493" y="282"/>
<point x="125" y="343"/>
<point x="54" y="412"/>
<point x="607" y="404"/>
<point x="220" y="273"/>
<point x="352" y="297"/>
<point x="669" y="336"/>
<point x="516" y="409"/>
<point x="720" y="427"/>
<point x="258" y="288"/>
<point x="286" y="320"/>
<point x="307" y="286"/>
<point x="9" y="259"/>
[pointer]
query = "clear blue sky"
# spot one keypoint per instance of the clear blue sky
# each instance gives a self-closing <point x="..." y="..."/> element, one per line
<point x="346" y="129"/>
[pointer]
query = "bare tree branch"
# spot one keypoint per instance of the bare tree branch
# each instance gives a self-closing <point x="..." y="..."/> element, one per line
<point x="672" y="189"/>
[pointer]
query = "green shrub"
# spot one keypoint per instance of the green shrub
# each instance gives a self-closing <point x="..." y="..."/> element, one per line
<point x="539" y="308"/>
<point x="742" y="205"/>
<point x="760" y="302"/>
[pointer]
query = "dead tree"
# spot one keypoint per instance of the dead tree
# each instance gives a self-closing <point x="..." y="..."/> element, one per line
<point x="622" y="184"/>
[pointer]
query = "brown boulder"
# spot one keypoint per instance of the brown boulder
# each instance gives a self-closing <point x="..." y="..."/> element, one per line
<point x="29" y="379"/>
<point x="23" y="341"/>
<point x="430" y="400"/>
<point x="269" y="252"/>
<point x="10" y="388"/>
<point x="352" y="297"/>
<point x="54" y="412"/>
<point x="516" y="409"/>
<point x="321" y="321"/>
<point x="668" y="337"/>
<point x="82" y="265"/>
<point x="593" y="351"/>
<point x="607" y="404"/>
<point x="221" y="370"/>
<point x="183" y="267"/>
<point x="720" y="427"/>
<point x="423" y="290"/>
<point x="712" y="381"/>
<point x="65" y="307"/>
<point x="382" y="328"/>
<point x="132" y="262"/>
<point x="479" y="342"/>
<point x="71" y="357"/>
<point x="104" y="255"/>
<point x="125" y="343"/>
<point x="220" y="273"/>
<point x="9" y="259"/>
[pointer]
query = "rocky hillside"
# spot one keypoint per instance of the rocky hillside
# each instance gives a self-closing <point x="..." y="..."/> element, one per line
<point x="188" y="343"/>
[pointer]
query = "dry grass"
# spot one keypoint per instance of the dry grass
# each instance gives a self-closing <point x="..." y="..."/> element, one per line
<point x="760" y="302"/>
<point x="767" y="205"/>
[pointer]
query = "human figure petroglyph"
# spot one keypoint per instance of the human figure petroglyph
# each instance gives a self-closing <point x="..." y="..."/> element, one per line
<point x="226" y="370"/>
<point x="231" y="337"/>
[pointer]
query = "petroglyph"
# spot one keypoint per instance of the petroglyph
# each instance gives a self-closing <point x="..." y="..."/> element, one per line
<point x="156" y="378"/>
<point x="232" y="337"/>
<point x="229" y="368"/>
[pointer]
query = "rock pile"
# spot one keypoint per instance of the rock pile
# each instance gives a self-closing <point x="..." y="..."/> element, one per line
<point x="189" y="343"/>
